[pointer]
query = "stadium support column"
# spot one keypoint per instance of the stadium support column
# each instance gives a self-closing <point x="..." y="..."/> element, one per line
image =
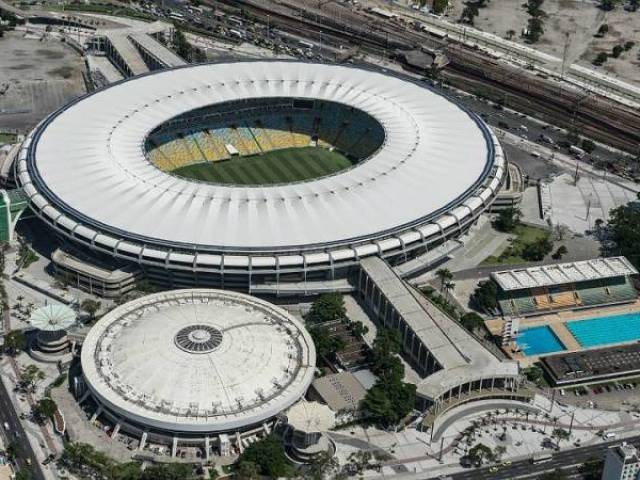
<point x="207" y="447"/>
<point x="174" y="447"/>
<point x="143" y="440"/>
<point x="96" y="414"/>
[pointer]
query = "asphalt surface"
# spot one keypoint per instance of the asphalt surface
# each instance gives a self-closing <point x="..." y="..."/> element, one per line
<point x="569" y="460"/>
<point x="16" y="435"/>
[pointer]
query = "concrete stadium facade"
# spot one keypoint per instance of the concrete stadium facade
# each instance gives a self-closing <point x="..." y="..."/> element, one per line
<point x="87" y="175"/>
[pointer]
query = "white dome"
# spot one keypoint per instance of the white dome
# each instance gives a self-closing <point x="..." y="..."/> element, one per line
<point x="198" y="360"/>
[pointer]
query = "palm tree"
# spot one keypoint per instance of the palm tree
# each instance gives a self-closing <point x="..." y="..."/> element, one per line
<point x="444" y="274"/>
<point x="449" y="287"/>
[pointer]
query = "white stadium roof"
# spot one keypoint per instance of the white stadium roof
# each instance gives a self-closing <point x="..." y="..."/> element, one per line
<point x="198" y="361"/>
<point x="562" y="273"/>
<point x="86" y="172"/>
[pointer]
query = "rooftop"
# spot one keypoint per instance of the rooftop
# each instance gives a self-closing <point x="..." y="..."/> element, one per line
<point x="198" y="360"/>
<point x="340" y="391"/>
<point x="427" y="137"/>
<point x="597" y="363"/>
<point x="562" y="273"/>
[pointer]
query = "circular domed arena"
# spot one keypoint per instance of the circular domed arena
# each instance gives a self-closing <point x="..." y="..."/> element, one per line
<point x="262" y="171"/>
<point x="196" y="367"/>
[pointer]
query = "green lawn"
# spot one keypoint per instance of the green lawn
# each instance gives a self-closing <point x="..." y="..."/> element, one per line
<point x="279" y="166"/>
<point x="522" y="234"/>
<point x="7" y="138"/>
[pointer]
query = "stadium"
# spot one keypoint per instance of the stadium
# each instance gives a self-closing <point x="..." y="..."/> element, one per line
<point x="260" y="172"/>
<point x="181" y="366"/>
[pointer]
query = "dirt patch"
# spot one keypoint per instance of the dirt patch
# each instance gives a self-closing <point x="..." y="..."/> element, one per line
<point x="49" y="54"/>
<point x="65" y="72"/>
<point x="21" y="66"/>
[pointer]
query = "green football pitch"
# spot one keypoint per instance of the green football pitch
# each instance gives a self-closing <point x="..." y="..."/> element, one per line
<point x="278" y="166"/>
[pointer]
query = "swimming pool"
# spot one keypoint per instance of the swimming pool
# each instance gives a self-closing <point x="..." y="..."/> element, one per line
<point x="606" y="330"/>
<point x="538" y="341"/>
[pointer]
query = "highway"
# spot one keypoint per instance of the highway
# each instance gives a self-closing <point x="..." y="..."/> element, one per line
<point x="569" y="460"/>
<point x="17" y="436"/>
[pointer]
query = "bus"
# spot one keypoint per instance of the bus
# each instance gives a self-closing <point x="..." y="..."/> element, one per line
<point x="541" y="457"/>
<point x="305" y="44"/>
<point x="176" y="16"/>
<point x="235" y="21"/>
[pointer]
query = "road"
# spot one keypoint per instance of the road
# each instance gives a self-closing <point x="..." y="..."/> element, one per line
<point x="569" y="460"/>
<point x="17" y="435"/>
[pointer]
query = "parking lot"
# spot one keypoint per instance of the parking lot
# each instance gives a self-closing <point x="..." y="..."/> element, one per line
<point x="618" y="395"/>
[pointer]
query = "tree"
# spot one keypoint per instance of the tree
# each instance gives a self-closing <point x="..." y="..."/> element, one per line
<point x="628" y="46"/>
<point x="560" y="434"/>
<point x="471" y="321"/>
<point x="268" y="455"/>
<point x="326" y="344"/>
<point x="624" y="225"/>
<point x="183" y="47"/>
<point x="616" y="51"/>
<point x="247" y="471"/>
<point x="387" y="403"/>
<point x="562" y="250"/>
<point x="601" y="58"/>
<point x="533" y="373"/>
<point x="322" y="466"/>
<point x="444" y="275"/>
<point x="360" y="460"/>
<point x="91" y="307"/>
<point x="508" y="219"/>
<point x="534" y="8"/>
<point x="45" y="408"/>
<point x="167" y="471"/>
<point x="30" y="377"/>
<point x="14" y="342"/>
<point x="359" y="329"/>
<point x="449" y="287"/>
<point x="510" y="33"/>
<point x="535" y="29"/>
<point x="387" y="342"/>
<point x="469" y="13"/>
<point x="25" y="473"/>
<point x="328" y="306"/>
<point x="498" y="452"/>
<point x="603" y="30"/>
<point x="607" y="5"/>
<point x="479" y="453"/>
<point x="439" y="6"/>
<point x="486" y="296"/>
<point x="390" y="399"/>
<point x="536" y="251"/>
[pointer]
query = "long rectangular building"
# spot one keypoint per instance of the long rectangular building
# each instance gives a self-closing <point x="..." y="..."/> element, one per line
<point x="451" y="363"/>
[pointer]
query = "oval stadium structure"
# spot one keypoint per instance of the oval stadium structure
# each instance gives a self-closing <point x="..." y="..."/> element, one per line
<point x="188" y="364"/>
<point x="261" y="171"/>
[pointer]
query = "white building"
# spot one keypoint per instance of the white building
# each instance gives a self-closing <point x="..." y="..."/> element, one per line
<point x="196" y="367"/>
<point x="622" y="463"/>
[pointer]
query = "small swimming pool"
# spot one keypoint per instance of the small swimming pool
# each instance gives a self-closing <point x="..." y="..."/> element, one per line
<point x="605" y="330"/>
<point x="538" y="341"/>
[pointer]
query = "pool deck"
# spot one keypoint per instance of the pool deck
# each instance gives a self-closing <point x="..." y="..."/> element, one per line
<point x="557" y="322"/>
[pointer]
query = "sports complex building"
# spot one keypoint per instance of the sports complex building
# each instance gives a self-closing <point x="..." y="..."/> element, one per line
<point x="195" y="367"/>
<point x="261" y="172"/>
